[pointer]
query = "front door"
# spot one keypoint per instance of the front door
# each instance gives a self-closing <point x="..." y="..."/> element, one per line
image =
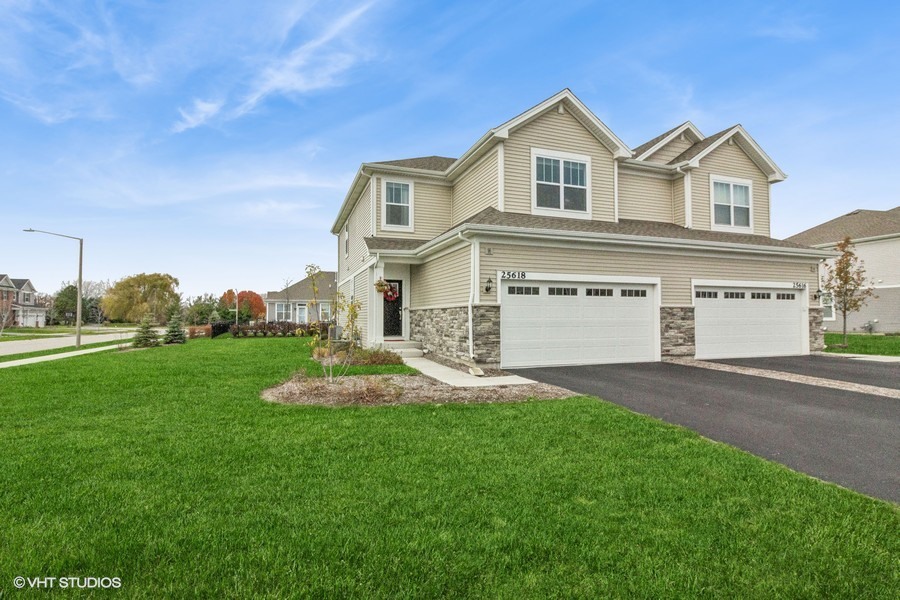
<point x="393" y="309"/>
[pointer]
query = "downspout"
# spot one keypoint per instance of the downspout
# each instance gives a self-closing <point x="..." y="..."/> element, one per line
<point x="471" y="304"/>
<point x="688" y="200"/>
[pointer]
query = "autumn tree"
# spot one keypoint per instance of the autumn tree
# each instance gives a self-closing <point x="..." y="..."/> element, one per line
<point x="251" y="306"/>
<point x="147" y="293"/>
<point x="845" y="282"/>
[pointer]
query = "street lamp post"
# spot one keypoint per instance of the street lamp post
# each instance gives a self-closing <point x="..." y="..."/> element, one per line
<point x="80" y="263"/>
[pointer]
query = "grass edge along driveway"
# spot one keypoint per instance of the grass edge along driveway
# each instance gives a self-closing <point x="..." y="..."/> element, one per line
<point x="164" y="468"/>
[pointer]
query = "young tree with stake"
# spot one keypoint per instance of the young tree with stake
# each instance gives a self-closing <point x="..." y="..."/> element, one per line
<point x="845" y="281"/>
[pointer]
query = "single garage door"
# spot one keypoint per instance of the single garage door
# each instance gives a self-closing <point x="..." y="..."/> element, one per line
<point x="545" y="323"/>
<point x="745" y="322"/>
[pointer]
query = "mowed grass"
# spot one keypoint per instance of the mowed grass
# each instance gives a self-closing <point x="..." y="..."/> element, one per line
<point x="887" y="345"/>
<point x="163" y="467"/>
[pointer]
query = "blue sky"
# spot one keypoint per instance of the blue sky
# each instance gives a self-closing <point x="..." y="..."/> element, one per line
<point x="215" y="140"/>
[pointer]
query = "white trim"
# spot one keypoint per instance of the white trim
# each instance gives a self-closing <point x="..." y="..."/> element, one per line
<point x="373" y="198"/>
<point x="688" y="201"/>
<point x="776" y="173"/>
<point x="476" y="270"/>
<point x="858" y="241"/>
<point x="561" y="156"/>
<point x="473" y="290"/>
<point x="686" y="126"/>
<point x="384" y="226"/>
<point x="616" y="191"/>
<point x="501" y="176"/>
<point x="748" y="183"/>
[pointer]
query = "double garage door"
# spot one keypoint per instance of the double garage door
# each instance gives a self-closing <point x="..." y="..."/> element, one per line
<point x="739" y="322"/>
<point x="546" y="323"/>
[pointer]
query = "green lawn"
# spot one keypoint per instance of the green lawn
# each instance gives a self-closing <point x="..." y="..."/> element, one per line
<point x="888" y="345"/>
<point x="6" y="337"/>
<point x="164" y="468"/>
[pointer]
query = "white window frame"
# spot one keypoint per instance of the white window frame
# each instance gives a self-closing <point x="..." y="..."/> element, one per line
<point x="560" y="156"/>
<point x="282" y="310"/>
<point x="827" y="300"/>
<point x="347" y="239"/>
<point x="384" y="224"/>
<point x="297" y="307"/>
<point x="320" y="308"/>
<point x="712" y="203"/>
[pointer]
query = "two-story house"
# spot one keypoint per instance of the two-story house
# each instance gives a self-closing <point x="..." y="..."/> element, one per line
<point x="551" y="242"/>
<point x="876" y="239"/>
<point x="18" y="300"/>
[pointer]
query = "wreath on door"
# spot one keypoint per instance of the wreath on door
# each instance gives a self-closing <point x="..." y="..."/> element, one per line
<point x="392" y="293"/>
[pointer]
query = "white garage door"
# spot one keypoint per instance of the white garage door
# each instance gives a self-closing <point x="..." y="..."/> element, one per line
<point x="746" y="322"/>
<point x="564" y="323"/>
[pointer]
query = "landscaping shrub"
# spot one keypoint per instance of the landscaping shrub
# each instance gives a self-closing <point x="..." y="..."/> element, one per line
<point x="146" y="336"/>
<point x="375" y="356"/>
<point x="175" y="332"/>
<point x="219" y="327"/>
<point x="198" y="331"/>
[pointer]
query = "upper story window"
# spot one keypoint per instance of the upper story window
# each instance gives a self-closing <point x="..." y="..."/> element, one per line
<point x="347" y="239"/>
<point x="397" y="208"/>
<point x="560" y="184"/>
<point x="731" y="203"/>
<point x="26" y="298"/>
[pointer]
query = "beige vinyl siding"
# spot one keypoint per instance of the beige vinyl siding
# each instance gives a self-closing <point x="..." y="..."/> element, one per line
<point x="644" y="197"/>
<point x="476" y="189"/>
<point x="431" y="209"/>
<point x="444" y="281"/>
<point x="674" y="269"/>
<point x="669" y="151"/>
<point x="560" y="132"/>
<point x="361" y="293"/>
<point x="347" y="291"/>
<point x="678" y="201"/>
<point x="729" y="161"/>
<point x="881" y="260"/>
<point x="360" y="228"/>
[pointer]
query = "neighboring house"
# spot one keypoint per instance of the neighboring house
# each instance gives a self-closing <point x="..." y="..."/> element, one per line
<point x="551" y="242"/>
<point x="21" y="295"/>
<point x="294" y="303"/>
<point x="876" y="237"/>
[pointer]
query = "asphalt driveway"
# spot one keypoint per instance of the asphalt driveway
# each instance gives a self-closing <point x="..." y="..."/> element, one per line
<point x="844" y="437"/>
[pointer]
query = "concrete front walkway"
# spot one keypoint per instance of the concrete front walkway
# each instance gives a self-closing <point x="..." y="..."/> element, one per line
<point x="458" y="378"/>
<point x="38" y="359"/>
<point x="52" y="343"/>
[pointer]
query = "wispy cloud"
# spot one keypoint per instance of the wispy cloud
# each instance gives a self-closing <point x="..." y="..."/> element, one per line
<point x="200" y="113"/>
<point x="789" y="31"/>
<point x="313" y="65"/>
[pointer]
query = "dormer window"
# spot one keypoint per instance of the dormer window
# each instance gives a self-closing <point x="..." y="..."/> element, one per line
<point x="397" y="207"/>
<point x="731" y="203"/>
<point x="560" y="184"/>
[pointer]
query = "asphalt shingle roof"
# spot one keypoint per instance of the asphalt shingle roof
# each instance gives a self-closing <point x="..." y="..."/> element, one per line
<point x="699" y="147"/>
<point x="855" y="225"/>
<point x="427" y="163"/>
<point x="649" y="144"/>
<point x="302" y="290"/>
<point x="382" y="243"/>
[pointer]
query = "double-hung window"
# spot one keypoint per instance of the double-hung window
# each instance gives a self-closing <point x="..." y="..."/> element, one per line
<point x="561" y="184"/>
<point x="282" y="311"/>
<point x="397" y="209"/>
<point x="731" y="200"/>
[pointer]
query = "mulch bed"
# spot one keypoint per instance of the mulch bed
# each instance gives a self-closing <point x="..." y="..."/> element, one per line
<point x="394" y="390"/>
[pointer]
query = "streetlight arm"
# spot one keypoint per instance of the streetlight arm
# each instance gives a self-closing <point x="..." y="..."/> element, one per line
<point x="71" y="237"/>
<point x="78" y="287"/>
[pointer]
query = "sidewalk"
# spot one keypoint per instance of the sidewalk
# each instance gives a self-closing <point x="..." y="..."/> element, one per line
<point x="37" y="359"/>
<point x="872" y="357"/>
<point x="458" y="378"/>
<point x="36" y="345"/>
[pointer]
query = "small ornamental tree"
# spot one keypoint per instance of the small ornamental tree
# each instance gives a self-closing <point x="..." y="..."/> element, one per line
<point x="335" y="363"/>
<point x="146" y="336"/>
<point x="175" y="333"/>
<point x="845" y="282"/>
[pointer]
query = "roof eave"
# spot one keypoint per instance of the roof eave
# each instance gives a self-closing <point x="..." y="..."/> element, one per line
<point x="686" y="126"/>
<point x="775" y="175"/>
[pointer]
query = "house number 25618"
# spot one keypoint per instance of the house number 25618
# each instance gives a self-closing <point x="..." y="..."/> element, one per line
<point x="512" y="274"/>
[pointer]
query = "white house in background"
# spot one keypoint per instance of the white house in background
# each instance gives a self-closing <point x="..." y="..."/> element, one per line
<point x="876" y="237"/>
<point x="294" y="303"/>
<point x="20" y="293"/>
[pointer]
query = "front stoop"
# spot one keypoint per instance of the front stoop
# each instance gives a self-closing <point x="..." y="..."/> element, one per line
<point x="404" y="348"/>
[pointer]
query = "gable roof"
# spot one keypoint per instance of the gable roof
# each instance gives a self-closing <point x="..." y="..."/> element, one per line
<point x="650" y="147"/>
<point x="5" y="282"/>
<point x="425" y="163"/>
<point x="302" y="290"/>
<point x="859" y="224"/>
<point x="693" y="155"/>
<point x="21" y="283"/>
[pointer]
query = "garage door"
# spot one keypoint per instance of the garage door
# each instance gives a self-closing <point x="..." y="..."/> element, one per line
<point x="745" y="322"/>
<point x="545" y="323"/>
